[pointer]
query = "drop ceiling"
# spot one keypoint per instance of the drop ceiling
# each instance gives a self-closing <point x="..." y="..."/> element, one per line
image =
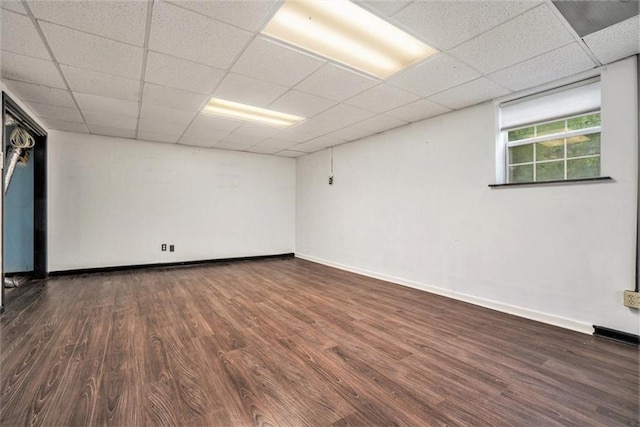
<point x="145" y="69"/>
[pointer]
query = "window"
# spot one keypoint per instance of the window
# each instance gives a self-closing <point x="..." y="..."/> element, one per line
<point x="552" y="136"/>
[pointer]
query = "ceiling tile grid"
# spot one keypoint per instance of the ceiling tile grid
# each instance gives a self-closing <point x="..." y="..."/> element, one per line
<point x="78" y="49"/>
<point x="122" y="21"/>
<point x="191" y="36"/>
<point x="177" y="73"/>
<point x="41" y="94"/>
<point x="530" y="34"/>
<point x="122" y="69"/>
<point x="271" y="61"/>
<point x="30" y="70"/>
<point x="248" y="90"/>
<point x="101" y="84"/>
<point x="617" y="41"/>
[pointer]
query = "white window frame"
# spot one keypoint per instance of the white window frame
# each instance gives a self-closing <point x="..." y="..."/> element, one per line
<point x="577" y="107"/>
<point x="536" y="139"/>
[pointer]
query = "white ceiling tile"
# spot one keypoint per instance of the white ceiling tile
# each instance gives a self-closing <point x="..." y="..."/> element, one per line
<point x="338" y="117"/>
<point x="418" y="110"/>
<point x="260" y="149"/>
<point x="101" y="104"/>
<point x="163" y="114"/>
<point x="470" y="93"/>
<point x="211" y="122"/>
<point x="173" y="98"/>
<point x="530" y="34"/>
<point x="243" y="139"/>
<point x="247" y="90"/>
<point x="309" y="147"/>
<point x="256" y="129"/>
<point x="290" y="153"/>
<point x="161" y="128"/>
<point x="435" y="75"/>
<point x="111" y="131"/>
<point x="317" y="144"/>
<point x="96" y="83"/>
<point x="197" y="142"/>
<point x="157" y="137"/>
<point x="279" y="144"/>
<point x="110" y="120"/>
<point x="333" y="119"/>
<point x="40" y="94"/>
<point x="446" y="24"/>
<point x="380" y="123"/>
<point x="383" y="7"/>
<point x="301" y="104"/>
<point x="55" y="112"/>
<point x="65" y="126"/>
<point x="118" y="20"/>
<point x="296" y="134"/>
<point x="232" y="146"/>
<point x="179" y="73"/>
<point x="616" y="42"/>
<point x="205" y="134"/>
<point x="79" y="49"/>
<point x="18" y="35"/>
<point x="336" y="83"/>
<point x="13" y="5"/>
<point x="249" y="15"/>
<point x="30" y="70"/>
<point x="382" y="98"/>
<point x="554" y="65"/>
<point x="351" y="133"/>
<point x="273" y="62"/>
<point x="188" y="35"/>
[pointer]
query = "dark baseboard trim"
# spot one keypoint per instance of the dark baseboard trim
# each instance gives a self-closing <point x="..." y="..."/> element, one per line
<point x="165" y="265"/>
<point x="612" y="334"/>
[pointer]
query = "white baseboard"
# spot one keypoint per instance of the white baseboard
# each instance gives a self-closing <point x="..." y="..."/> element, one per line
<point x="526" y="313"/>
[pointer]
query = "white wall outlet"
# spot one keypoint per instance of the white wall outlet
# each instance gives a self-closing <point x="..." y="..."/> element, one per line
<point x="632" y="299"/>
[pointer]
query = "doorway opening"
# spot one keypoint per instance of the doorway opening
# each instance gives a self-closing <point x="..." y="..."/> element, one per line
<point x="24" y="206"/>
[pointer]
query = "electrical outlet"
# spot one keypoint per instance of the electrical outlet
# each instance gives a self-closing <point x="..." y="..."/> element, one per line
<point x="172" y="248"/>
<point x="163" y="247"/>
<point x="632" y="299"/>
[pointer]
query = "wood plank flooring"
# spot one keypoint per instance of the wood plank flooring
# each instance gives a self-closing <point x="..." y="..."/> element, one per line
<point x="286" y="342"/>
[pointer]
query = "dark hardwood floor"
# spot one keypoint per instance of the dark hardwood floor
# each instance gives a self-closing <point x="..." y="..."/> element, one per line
<point x="286" y="342"/>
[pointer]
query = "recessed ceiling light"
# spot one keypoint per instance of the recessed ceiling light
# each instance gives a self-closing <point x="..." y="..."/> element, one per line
<point x="250" y="113"/>
<point x="346" y="33"/>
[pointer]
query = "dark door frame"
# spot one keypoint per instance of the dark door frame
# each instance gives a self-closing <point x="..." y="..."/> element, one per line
<point x="39" y="159"/>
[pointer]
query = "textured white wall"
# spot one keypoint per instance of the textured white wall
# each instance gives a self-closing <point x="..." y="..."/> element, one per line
<point x="113" y="202"/>
<point x="412" y="206"/>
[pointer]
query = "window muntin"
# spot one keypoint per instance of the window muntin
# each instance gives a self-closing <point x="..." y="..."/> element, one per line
<point x="561" y="149"/>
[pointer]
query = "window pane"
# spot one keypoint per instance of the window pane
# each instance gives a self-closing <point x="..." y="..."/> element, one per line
<point x="549" y="128"/>
<point x="518" y="134"/>
<point x="522" y="173"/>
<point x="550" y="171"/>
<point x="550" y="150"/>
<point x="583" y="145"/>
<point x="583" y="168"/>
<point x="521" y="154"/>
<point x="583" y="122"/>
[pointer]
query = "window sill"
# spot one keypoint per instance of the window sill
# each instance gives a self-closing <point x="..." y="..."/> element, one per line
<point x="557" y="182"/>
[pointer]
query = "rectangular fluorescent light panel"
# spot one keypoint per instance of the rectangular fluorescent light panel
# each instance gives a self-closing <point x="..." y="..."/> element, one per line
<point x="235" y="110"/>
<point x="346" y="33"/>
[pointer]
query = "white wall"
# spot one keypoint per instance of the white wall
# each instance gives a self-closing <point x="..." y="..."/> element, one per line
<point x="412" y="206"/>
<point x="113" y="202"/>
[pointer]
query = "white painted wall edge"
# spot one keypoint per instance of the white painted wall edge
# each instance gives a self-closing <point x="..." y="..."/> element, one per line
<point x="537" y="316"/>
